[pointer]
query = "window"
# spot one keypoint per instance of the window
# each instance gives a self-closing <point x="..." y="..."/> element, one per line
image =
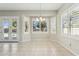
<point x="36" y="24"/>
<point x="26" y="24"/>
<point x="66" y="23"/>
<point x="53" y="24"/>
<point x="70" y="23"/>
<point x="43" y="24"/>
<point x="75" y="23"/>
<point x="8" y="27"/>
<point x="39" y="24"/>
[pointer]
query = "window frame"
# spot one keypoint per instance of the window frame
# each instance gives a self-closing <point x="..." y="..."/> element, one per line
<point x="40" y="25"/>
<point x="52" y="18"/>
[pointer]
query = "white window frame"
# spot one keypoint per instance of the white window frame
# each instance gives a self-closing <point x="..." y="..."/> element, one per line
<point x="40" y="26"/>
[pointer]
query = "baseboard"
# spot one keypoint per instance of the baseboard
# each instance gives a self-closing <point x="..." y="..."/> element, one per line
<point x="9" y="41"/>
<point x="25" y="40"/>
<point x="68" y="49"/>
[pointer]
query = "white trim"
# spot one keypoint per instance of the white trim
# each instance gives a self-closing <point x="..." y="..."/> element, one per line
<point x="67" y="49"/>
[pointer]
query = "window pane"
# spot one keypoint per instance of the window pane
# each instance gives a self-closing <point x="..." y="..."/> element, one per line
<point x="36" y="24"/>
<point x="53" y="24"/>
<point x="14" y="28"/>
<point x="66" y="23"/>
<point x="39" y="24"/>
<point x="75" y="23"/>
<point x="5" y="24"/>
<point x="43" y="24"/>
<point x="26" y="26"/>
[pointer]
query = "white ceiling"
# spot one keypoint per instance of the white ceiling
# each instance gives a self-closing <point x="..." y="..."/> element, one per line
<point x="30" y="6"/>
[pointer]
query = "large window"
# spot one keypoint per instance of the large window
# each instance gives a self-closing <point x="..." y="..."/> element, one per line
<point x="75" y="23"/>
<point x="39" y="24"/>
<point x="70" y="23"/>
<point x="9" y="28"/>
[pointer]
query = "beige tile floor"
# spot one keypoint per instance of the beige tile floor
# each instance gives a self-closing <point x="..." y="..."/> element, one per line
<point x="33" y="48"/>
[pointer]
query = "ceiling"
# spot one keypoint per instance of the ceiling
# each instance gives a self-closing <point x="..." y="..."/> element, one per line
<point x="30" y="6"/>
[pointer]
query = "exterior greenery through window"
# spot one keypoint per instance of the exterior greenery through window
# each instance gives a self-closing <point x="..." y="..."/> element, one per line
<point x="39" y="24"/>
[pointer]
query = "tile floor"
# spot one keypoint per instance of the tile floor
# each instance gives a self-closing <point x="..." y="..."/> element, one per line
<point x="33" y="48"/>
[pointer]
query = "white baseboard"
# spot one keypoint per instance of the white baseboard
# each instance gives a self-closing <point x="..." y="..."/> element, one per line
<point x="26" y="40"/>
<point x="68" y="49"/>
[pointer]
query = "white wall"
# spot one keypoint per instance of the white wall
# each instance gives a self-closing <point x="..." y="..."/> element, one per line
<point x="27" y="12"/>
<point x="29" y="35"/>
<point x="26" y="36"/>
<point x="68" y="41"/>
<point x="39" y="35"/>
